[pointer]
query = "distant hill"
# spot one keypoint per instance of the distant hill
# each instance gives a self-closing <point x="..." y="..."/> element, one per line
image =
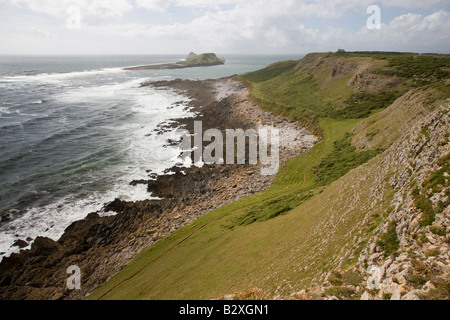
<point x="205" y="59"/>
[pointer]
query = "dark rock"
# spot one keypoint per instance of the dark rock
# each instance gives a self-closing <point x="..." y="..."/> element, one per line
<point x="5" y="281"/>
<point x="9" y="265"/>
<point x="137" y="182"/>
<point x="44" y="247"/>
<point x="116" y="206"/>
<point x="6" y="217"/>
<point x="20" y="243"/>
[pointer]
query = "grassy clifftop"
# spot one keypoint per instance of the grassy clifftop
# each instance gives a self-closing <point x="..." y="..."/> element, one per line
<point x="344" y="85"/>
<point x="334" y="212"/>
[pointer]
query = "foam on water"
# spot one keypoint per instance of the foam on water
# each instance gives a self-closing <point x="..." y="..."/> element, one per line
<point x="58" y="77"/>
<point x="51" y="220"/>
<point x="144" y="148"/>
<point x="5" y="110"/>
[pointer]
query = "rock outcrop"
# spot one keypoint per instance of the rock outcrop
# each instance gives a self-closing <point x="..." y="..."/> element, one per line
<point x="202" y="60"/>
<point x="407" y="256"/>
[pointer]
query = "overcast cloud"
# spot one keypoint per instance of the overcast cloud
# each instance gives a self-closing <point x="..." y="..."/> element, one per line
<point x="222" y="26"/>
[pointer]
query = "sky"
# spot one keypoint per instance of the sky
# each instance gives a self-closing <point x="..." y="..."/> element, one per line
<point x="222" y="26"/>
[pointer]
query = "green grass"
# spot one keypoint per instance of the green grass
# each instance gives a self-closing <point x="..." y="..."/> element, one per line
<point x="417" y="280"/>
<point x="441" y="290"/>
<point x="216" y="260"/>
<point x="438" y="231"/>
<point x="362" y="104"/>
<point x="341" y="160"/>
<point x="291" y="94"/>
<point x="270" y="72"/>
<point x="208" y="259"/>
<point x="420" y="69"/>
<point x="271" y="209"/>
<point x="298" y="178"/>
<point x="340" y="292"/>
<point x="388" y="241"/>
<point x="437" y="181"/>
<point x="285" y="89"/>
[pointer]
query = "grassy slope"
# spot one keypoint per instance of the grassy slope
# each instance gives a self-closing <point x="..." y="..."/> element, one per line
<point x="212" y="261"/>
<point x="224" y="252"/>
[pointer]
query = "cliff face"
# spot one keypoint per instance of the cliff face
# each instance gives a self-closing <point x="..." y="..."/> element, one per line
<point x="396" y="211"/>
<point x="397" y="204"/>
<point x="358" y="71"/>
<point x="408" y="258"/>
<point x="402" y="249"/>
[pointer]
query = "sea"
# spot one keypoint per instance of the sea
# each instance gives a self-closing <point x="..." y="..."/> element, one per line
<point x="76" y="130"/>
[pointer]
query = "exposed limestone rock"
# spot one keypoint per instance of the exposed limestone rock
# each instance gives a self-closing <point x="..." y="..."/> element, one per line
<point x="420" y="267"/>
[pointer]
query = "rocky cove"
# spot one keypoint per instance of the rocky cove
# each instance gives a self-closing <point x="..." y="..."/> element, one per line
<point x="102" y="246"/>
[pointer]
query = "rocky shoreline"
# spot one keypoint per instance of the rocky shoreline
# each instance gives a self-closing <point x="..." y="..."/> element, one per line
<point x="102" y="246"/>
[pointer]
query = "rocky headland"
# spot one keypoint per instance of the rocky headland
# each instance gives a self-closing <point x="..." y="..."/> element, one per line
<point x="192" y="61"/>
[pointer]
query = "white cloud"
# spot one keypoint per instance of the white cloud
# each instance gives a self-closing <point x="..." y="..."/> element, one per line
<point x="414" y="4"/>
<point x="158" y="5"/>
<point x="247" y="25"/>
<point x="96" y="9"/>
<point x="217" y="4"/>
<point x="408" y="32"/>
<point x="42" y="33"/>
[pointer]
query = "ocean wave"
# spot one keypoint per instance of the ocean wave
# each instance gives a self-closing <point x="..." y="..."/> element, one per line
<point x="52" y="220"/>
<point x="99" y="93"/>
<point x="141" y="110"/>
<point x="57" y="77"/>
<point x="5" y="110"/>
<point x="88" y="132"/>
